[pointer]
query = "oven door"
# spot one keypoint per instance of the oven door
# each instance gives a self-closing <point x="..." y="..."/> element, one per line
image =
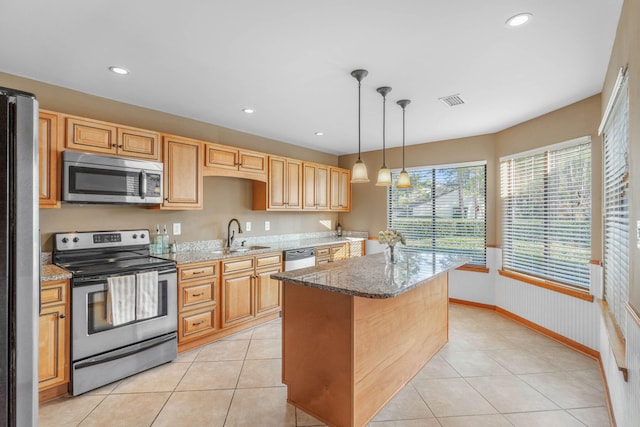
<point x="93" y="330"/>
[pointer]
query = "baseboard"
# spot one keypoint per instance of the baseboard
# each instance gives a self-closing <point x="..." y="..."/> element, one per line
<point x="472" y="304"/>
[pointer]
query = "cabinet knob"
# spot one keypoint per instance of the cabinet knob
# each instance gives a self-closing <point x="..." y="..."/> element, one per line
<point x="166" y="198"/>
<point x="113" y="145"/>
<point x="62" y="316"/>
<point x="121" y="146"/>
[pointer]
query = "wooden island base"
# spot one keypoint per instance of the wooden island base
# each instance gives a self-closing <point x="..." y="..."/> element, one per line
<point x="344" y="357"/>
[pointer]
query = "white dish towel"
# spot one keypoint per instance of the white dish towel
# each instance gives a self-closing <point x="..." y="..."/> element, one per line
<point x="146" y="295"/>
<point x="121" y="296"/>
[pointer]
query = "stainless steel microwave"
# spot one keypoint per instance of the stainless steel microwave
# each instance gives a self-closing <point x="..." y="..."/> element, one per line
<point x="90" y="178"/>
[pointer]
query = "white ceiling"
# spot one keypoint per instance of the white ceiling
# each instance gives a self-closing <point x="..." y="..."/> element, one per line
<point x="290" y="60"/>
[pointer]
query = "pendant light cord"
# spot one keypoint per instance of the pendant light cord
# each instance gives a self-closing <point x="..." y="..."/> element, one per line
<point x="359" y="84"/>
<point x="402" y="138"/>
<point x="384" y="124"/>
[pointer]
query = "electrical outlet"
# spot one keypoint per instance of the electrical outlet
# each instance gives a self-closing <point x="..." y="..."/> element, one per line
<point x="638" y="233"/>
<point x="267" y="225"/>
<point x="177" y="229"/>
<point x="248" y="226"/>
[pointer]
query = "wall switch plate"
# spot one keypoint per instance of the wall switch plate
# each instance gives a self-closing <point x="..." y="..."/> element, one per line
<point x="638" y="234"/>
<point x="177" y="229"/>
<point x="247" y="227"/>
<point x="267" y="225"/>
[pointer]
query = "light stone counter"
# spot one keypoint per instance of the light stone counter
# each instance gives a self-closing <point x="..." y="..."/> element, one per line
<point x="371" y="277"/>
<point x="51" y="272"/>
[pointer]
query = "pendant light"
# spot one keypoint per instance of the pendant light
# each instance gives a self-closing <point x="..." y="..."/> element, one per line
<point x="384" y="174"/>
<point x="359" y="173"/>
<point x="404" y="181"/>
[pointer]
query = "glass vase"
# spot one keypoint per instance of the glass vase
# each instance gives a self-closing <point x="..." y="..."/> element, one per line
<point x="391" y="255"/>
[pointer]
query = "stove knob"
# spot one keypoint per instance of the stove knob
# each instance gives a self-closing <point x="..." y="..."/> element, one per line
<point x="135" y="236"/>
<point x="65" y="240"/>
<point x="76" y="239"/>
<point x="142" y="236"/>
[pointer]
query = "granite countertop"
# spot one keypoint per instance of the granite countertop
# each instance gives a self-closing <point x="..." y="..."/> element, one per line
<point x="214" y="254"/>
<point x="50" y="272"/>
<point x="371" y="277"/>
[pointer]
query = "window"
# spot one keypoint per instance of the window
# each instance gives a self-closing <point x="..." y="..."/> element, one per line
<point x="616" y="203"/>
<point x="546" y="212"/>
<point x="444" y="210"/>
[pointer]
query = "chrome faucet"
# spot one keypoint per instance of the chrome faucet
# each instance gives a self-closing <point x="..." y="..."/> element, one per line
<point x="231" y="234"/>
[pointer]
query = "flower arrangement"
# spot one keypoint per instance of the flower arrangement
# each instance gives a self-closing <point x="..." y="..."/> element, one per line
<point x="391" y="237"/>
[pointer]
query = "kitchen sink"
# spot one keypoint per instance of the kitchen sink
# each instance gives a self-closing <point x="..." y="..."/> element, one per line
<point x="248" y="248"/>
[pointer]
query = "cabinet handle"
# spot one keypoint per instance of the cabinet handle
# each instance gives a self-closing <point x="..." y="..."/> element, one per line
<point x="197" y="272"/>
<point x="62" y="316"/>
<point x="198" y="323"/>
<point x="113" y="145"/>
<point x="166" y="198"/>
<point x="121" y="146"/>
<point x="198" y="295"/>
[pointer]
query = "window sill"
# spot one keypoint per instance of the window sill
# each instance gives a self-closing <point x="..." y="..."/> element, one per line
<point x="547" y="284"/>
<point x="616" y="340"/>
<point x="474" y="268"/>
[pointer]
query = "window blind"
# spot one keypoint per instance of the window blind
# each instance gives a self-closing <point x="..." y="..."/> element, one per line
<point x="546" y="212"/>
<point x="616" y="206"/>
<point x="443" y="211"/>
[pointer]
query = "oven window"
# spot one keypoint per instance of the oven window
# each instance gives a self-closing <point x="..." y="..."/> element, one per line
<point x="101" y="317"/>
<point x="83" y="180"/>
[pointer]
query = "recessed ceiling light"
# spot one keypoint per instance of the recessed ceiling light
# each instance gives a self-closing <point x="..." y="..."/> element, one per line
<point x="119" y="70"/>
<point x="518" y="20"/>
<point x="248" y="110"/>
<point x="319" y="133"/>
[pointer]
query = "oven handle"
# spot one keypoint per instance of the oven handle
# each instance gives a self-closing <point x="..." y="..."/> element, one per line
<point x="86" y="281"/>
<point x="127" y="351"/>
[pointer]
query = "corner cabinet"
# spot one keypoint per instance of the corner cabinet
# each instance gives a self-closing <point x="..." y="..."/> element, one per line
<point x="53" y="341"/>
<point x="316" y="187"/>
<point x="182" y="173"/>
<point x="340" y="190"/>
<point x="248" y="292"/>
<point x="283" y="189"/>
<point x="50" y="136"/>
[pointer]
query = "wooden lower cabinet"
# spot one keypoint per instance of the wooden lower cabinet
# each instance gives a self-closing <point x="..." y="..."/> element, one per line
<point x="339" y="251"/>
<point x="248" y="292"/>
<point x="53" y="341"/>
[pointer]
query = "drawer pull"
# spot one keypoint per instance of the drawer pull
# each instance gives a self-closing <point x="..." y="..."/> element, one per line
<point x="198" y="272"/>
<point x="198" y="323"/>
<point x="198" y="295"/>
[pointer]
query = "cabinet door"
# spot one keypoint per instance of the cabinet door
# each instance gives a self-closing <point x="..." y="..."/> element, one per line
<point x="252" y="162"/>
<point x="91" y="135"/>
<point x="268" y="292"/>
<point x="139" y="143"/>
<point x="237" y="299"/>
<point x="52" y="346"/>
<point x="339" y="252"/>
<point x="182" y="173"/>
<point x="277" y="183"/>
<point x="294" y="184"/>
<point x="49" y="160"/>
<point x="340" y="190"/>
<point x="221" y="157"/>
<point x="309" y="186"/>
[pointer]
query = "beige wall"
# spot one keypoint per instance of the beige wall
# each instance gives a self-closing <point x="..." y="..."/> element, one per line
<point x="224" y="198"/>
<point x="626" y="52"/>
<point x="573" y="121"/>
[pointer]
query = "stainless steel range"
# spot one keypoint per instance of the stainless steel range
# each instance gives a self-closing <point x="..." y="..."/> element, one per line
<point x="123" y="305"/>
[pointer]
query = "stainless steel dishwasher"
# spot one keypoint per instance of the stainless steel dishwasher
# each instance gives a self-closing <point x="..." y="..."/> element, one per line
<point x="299" y="258"/>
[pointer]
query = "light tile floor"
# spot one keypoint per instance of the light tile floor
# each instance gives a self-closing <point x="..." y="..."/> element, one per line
<point x="493" y="372"/>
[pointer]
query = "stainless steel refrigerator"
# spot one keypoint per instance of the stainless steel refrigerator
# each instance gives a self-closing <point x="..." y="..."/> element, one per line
<point x="19" y="260"/>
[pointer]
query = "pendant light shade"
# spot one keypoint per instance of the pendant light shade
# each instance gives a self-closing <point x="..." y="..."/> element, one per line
<point x="404" y="181"/>
<point x="359" y="172"/>
<point x="384" y="174"/>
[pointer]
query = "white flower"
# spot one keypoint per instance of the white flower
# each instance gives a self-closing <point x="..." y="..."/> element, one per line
<point x="391" y="237"/>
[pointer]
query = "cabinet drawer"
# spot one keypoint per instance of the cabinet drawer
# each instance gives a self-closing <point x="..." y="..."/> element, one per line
<point x="53" y="293"/>
<point x="200" y="271"/>
<point x="268" y="259"/>
<point x="197" y="294"/>
<point x="237" y="265"/>
<point x="198" y="323"/>
<point x="321" y="252"/>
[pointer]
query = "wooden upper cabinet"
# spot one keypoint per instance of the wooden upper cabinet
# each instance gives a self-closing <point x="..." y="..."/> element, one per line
<point x="50" y="134"/>
<point x="100" y="137"/>
<point x="91" y="136"/>
<point x="340" y="189"/>
<point x="182" y="173"/>
<point x="284" y="183"/>
<point x="315" y="187"/>
<point x="221" y="160"/>
<point x="139" y="143"/>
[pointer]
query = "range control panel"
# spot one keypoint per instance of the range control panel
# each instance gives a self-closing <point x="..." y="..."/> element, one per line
<point x="100" y="239"/>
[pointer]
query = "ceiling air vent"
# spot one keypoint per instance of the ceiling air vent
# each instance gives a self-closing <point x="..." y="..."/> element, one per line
<point x="452" y="100"/>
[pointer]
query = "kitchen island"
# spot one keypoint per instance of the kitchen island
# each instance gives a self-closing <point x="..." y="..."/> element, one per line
<point x="355" y="332"/>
